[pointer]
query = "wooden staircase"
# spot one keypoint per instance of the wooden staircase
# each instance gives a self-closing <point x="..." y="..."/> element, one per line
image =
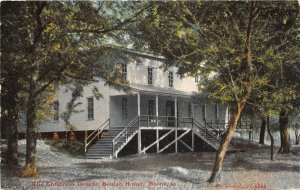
<point x="117" y="138"/>
<point x="103" y="147"/>
<point x="208" y="134"/>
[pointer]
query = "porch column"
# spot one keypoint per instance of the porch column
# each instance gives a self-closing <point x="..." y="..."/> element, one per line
<point x="157" y="137"/>
<point x="193" y="115"/>
<point x="139" y="104"/>
<point x="157" y="131"/>
<point x="156" y="107"/>
<point x="85" y="139"/>
<point x="139" y="130"/>
<point x="175" y="110"/>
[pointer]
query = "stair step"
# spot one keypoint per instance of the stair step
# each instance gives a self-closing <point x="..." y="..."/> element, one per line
<point x="101" y="148"/>
<point x="115" y="129"/>
<point x="108" y="138"/>
<point x="98" y="156"/>
<point x="103" y="154"/>
<point x="98" y="153"/>
<point x="105" y="141"/>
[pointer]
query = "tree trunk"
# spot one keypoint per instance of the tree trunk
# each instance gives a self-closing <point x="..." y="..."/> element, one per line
<point x="215" y="176"/>
<point x="285" y="144"/>
<point x="11" y="124"/>
<point x="10" y="118"/>
<point x="271" y="137"/>
<point x="30" y="169"/>
<point x="262" y="130"/>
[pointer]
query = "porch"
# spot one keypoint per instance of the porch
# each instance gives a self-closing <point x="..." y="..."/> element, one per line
<point x="152" y="118"/>
<point x="153" y="109"/>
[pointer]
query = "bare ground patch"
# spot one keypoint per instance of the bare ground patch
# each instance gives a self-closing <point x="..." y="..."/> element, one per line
<point x="248" y="169"/>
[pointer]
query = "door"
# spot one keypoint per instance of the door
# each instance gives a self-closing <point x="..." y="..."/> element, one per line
<point x="170" y="113"/>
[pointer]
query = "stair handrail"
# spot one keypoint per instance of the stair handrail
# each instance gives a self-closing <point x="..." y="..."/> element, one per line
<point x="124" y="131"/>
<point x="199" y="124"/>
<point x="211" y="127"/>
<point x="128" y="126"/>
<point x="95" y="133"/>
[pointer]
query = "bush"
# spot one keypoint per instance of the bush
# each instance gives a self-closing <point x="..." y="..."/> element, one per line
<point x="67" y="147"/>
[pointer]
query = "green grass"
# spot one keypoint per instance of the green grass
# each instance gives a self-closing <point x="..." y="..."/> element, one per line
<point x="75" y="149"/>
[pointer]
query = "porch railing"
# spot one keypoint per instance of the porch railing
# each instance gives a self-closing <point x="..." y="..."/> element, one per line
<point x="217" y="127"/>
<point x="123" y="136"/>
<point x="206" y="131"/>
<point x="165" y="121"/>
<point x="95" y="134"/>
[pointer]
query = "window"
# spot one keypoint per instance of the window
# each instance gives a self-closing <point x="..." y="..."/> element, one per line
<point x="171" y="79"/>
<point x="217" y="112"/>
<point x="197" y="78"/>
<point x="90" y="108"/>
<point x="190" y="111"/>
<point x="204" y="112"/>
<point x="56" y="110"/>
<point x="124" y="108"/>
<point x="150" y="75"/>
<point x="124" y="71"/>
<point x="151" y="107"/>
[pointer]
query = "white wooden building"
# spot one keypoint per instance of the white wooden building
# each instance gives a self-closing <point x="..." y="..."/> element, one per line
<point x="159" y="100"/>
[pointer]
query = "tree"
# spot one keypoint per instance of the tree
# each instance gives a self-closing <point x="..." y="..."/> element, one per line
<point x="271" y="137"/>
<point x="11" y="74"/>
<point x="61" y="43"/>
<point x="262" y="130"/>
<point x="227" y="43"/>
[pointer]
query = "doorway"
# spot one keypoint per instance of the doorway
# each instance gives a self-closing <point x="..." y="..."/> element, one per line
<point x="170" y="113"/>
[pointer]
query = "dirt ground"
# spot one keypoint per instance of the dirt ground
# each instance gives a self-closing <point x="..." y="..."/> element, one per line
<point x="247" y="169"/>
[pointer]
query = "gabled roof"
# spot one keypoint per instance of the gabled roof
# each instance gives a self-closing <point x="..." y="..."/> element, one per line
<point x="137" y="52"/>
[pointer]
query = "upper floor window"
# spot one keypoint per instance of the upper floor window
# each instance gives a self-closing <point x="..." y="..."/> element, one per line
<point x="171" y="79"/>
<point x="90" y="108"/>
<point x="124" y="108"/>
<point x="124" y="71"/>
<point x="56" y="110"/>
<point x="150" y="75"/>
<point x="151" y="107"/>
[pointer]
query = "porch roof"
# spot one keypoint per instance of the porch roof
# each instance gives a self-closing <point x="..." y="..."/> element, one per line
<point x="148" y="89"/>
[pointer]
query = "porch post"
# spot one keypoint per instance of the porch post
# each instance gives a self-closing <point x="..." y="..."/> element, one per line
<point x="139" y="103"/>
<point x="139" y="141"/>
<point x="176" y="141"/>
<point x="157" y="137"/>
<point x="157" y="131"/>
<point x="175" y="110"/>
<point x="193" y="115"/>
<point x="156" y="107"/>
<point x="139" y="130"/>
<point x="85" y="139"/>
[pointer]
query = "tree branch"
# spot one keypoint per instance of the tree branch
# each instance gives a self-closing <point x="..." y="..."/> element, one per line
<point x="114" y="28"/>
<point x="80" y="78"/>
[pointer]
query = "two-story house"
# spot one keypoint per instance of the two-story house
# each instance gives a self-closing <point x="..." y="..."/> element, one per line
<point x="160" y="101"/>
